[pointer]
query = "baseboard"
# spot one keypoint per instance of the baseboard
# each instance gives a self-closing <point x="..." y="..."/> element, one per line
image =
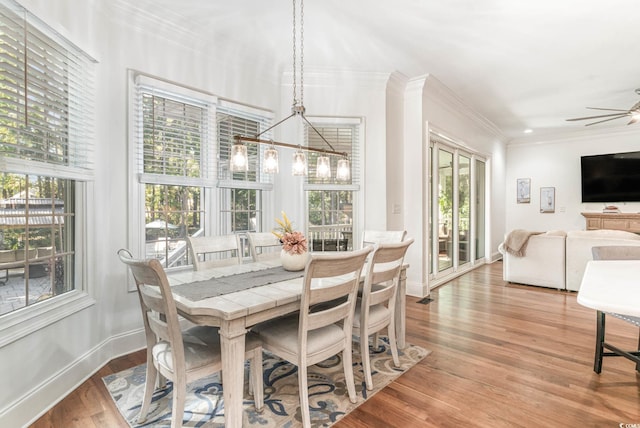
<point x="27" y="409"/>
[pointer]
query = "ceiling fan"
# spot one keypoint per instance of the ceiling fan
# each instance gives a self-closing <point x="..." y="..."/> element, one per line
<point x="633" y="112"/>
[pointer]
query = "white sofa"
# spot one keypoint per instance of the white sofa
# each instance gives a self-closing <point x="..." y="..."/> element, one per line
<point x="557" y="259"/>
<point x="543" y="264"/>
<point x="579" y="244"/>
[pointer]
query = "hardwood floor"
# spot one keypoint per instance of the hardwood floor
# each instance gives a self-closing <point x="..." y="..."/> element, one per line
<point x="503" y="355"/>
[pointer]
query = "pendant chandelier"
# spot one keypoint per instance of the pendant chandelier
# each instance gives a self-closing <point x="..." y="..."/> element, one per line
<point x="238" y="158"/>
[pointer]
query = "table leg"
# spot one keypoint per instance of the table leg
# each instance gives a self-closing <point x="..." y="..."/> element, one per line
<point x="232" y="343"/>
<point x="401" y="308"/>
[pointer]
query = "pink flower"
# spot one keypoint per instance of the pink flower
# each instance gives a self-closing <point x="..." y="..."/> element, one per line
<point x="294" y="243"/>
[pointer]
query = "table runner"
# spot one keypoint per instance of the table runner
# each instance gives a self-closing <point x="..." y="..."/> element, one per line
<point x="229" y="284"/>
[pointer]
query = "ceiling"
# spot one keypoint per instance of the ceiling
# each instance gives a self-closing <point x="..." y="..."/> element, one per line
<point x="522" y="65"/>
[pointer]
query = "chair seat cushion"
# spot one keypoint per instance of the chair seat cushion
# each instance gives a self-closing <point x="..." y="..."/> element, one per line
<point x="283" y="333"/>
<point x="201" y="348"/>
<point x="377" y="313"/>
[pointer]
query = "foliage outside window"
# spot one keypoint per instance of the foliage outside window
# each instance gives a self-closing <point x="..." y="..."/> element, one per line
<point x="46" y="150"/>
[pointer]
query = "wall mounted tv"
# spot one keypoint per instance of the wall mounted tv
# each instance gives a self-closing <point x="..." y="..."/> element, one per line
<point x="611" y="178"/>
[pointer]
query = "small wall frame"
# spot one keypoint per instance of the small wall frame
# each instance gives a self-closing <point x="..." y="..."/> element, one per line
<point x="523" y="186"/>
<point x="547" y="199"/>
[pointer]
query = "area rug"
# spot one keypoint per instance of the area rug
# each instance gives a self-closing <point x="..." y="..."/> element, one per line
<point x="328" y="397"/>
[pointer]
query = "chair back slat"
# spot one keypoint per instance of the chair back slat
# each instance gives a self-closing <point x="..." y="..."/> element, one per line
<point x="383" y="273"/>
<point x="371" y="237"/>
<point x="616" y="252"/>
<point x="263" y="245"/>
<point x="332" y="279"/>
<point x="214" y="251"/>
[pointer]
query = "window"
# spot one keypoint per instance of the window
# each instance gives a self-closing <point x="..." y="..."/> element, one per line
<point x="46" y="162"/>
<point x="181" y="141"/>
<point x="241" y="193"/>
<point x="174" y="165"/>
<point x="331" y="202"/>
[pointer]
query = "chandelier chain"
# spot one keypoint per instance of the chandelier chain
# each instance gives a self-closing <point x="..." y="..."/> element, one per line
<point x="295" y="101"/>
<point x="302" y="52"/>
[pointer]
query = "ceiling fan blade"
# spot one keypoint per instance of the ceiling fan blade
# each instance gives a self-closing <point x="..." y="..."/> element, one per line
<point x="606" y="120"/>
<point x="608" y="109"/>
<point x="599" y="116"/>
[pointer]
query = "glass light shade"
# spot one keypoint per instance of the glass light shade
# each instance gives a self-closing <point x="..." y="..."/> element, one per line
<point x="323" y="167"/>
<point x="239" y="160"/>
<point x="270" y="161"/>
<point x="299" y="163"/>
<point x="343" y="172"/>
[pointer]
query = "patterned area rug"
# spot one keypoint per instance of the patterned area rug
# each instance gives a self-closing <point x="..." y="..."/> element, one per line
<point x="328" y="398"/>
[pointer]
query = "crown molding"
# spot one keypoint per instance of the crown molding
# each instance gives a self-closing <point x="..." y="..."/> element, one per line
<point x="576" y="135"/>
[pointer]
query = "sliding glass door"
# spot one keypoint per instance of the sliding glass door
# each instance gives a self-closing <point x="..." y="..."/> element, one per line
<point x="456" y="218"/>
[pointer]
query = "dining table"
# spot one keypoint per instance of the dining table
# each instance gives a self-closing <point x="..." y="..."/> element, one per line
<point x="235" y="298"/>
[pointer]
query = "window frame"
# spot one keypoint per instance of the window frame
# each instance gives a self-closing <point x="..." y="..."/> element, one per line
<point x="78" y="167"/>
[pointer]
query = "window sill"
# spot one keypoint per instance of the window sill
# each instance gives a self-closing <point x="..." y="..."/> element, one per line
<point x="27" y="320"/>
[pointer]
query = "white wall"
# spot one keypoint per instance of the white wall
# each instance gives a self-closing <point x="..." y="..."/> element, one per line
<point x="430" y="104"/>
<point x="555" y="162"/>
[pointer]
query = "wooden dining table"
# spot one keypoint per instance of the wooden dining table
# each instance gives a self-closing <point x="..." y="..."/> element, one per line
<point x="234" y="312"/>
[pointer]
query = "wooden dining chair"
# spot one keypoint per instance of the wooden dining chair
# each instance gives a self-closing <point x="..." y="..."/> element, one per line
<point x="375" y="309"/>
<point x="371" y="237"/>
<point x="614" y="252"/>
<point x="214" y="251"/>
<point x="319" y="332"/>
<point x="179" y="356"/>
<point x="264" y="246"/>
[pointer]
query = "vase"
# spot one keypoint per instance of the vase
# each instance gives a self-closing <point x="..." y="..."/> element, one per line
<point x="293" y="262"/>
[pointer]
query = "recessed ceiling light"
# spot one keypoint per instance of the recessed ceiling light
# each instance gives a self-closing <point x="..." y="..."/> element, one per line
<point x="528" y="131"/>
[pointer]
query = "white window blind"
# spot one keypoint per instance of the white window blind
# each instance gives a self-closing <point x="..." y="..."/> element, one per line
<point x="174" y="137"/>
<point x="235" y="120"/>
<point x="344" y="138"/>
<point x="46" y="99"/>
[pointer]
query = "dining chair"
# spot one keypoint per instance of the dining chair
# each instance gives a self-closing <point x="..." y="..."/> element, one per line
<point x="264" y="246"/>
<point x="318" y="332"/>
<point x="370" y="237"/>
<point x="614" y="252"/>
<point x="214" y="251"/>
<point x="375" y="309"/>
<point x="179" y="356"/>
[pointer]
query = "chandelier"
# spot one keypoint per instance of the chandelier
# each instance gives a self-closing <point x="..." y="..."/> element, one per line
<point x="238" y="159"/>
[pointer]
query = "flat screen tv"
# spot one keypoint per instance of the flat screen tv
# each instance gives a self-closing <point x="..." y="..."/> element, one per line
<point x="611" y="178"/>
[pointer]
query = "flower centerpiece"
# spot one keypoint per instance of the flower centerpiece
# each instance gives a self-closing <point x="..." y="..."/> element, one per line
<point x="294" y="245"/>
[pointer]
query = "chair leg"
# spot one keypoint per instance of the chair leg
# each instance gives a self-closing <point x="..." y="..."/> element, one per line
<point x="366" y="359"/>
<point x="391" y="328"/>
<point x="304" y="396"/>
<point x="179" y="397"/>
<point x="347" y="362"/>
<point x="600" y="326"/>
<point x="638" y="364"/>
<point x="149" y="388"/>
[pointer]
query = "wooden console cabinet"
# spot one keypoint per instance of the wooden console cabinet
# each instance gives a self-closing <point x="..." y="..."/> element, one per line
<point x="629" y="222"/>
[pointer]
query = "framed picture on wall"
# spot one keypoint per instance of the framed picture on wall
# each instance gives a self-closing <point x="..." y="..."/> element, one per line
<point x="547" y="199"/>
<point x="524" y="190"/>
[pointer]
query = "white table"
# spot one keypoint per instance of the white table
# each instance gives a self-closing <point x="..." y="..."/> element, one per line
<point x="235" y="312"/>
<point x="611" y="286"/>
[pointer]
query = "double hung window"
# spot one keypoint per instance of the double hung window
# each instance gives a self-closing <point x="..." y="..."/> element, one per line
<point x="46" y="161"/>
<point x="331" y="202"/>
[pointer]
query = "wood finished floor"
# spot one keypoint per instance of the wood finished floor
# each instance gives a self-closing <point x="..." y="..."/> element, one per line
<point x="503" y="355"/>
